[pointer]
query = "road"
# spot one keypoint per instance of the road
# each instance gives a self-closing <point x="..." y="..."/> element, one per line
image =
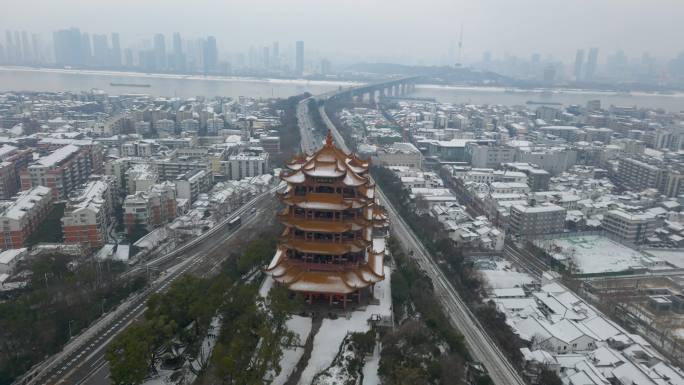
<point x="306" y="128"/>
<point x="82" y="360"/>
<point x="481" y="346"/>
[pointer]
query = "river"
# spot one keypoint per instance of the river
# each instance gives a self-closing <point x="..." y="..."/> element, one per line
<point x="34" y="79"/>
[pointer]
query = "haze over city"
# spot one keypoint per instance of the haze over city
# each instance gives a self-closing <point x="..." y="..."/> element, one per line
<point x="387" y="30"/>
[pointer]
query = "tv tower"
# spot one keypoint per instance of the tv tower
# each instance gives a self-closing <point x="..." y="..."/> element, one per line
<point x="460" y="46"/>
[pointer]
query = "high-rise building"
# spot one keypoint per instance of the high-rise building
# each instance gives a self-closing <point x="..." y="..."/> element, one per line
<point x="100" y="50"/>
<point x="266" y="57"/>
<point x="67" y="43"/>
<point x="549" y="74"/>
<point x="17" y="45"/>
<point x="85" y="49"/>
<point x="592" y="63"/>
<point x="116" y="51"/>
<point x="210" y="57"/>
<point x="35" y="43"/>
<point x="9" y="46"/>
<point x="27" y="51"/>
<point x="299" y="58"/>
<point x="178" y="57"/>
<point x="579" y="63"/>
<point x="325" y="66"/>
<point x="128" y="57"/>
<point x="159" y="51"/>
<point x="275" y="55"/>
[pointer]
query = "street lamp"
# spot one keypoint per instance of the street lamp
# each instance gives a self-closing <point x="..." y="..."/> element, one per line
<point x="70" y="321"/>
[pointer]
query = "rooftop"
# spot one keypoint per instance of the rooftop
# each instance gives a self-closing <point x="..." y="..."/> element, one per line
<point x="58" y="156"/>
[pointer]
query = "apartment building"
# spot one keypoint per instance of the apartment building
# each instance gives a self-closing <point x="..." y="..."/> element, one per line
<point x="631" y="227"/>
<point x="488" y="155"/>
<point x="140" y="177"/>
<point x="638" y="175"/>
<point x="537" y="179"/>
<point x="23" y="216"/>
<point x="245" y="165"/>
<point x="87" y="214"/>
<point x="91" y="148"/>
<point x="62" y="170"/>
<point x="193" y="183"/>
<point x="12" y="161"/>
<point x="536" y="220"/>
<point x="151" y="208"/>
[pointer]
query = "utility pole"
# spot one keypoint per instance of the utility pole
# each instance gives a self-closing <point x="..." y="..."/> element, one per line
<point x="70" y="321"/>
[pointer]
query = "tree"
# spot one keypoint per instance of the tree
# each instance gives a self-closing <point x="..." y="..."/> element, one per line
<point x="130" y="355"/>
<point x="137" y="231"/>
<point x="549" y="377"/>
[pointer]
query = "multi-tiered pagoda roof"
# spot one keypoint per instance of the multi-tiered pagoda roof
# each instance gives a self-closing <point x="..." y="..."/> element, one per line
<point x="333" y="244"/>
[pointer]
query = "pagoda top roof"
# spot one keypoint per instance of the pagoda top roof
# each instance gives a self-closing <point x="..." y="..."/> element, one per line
<point x="330" y="162"/>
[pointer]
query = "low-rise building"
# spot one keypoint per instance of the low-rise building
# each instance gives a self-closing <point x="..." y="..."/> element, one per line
<point x="400" y="154"/>
<point x="9" y="259"/>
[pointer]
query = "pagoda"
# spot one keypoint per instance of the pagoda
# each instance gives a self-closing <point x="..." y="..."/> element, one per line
<point x="333" y="245"/>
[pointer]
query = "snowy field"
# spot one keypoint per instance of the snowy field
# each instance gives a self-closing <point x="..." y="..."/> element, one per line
<point x="504" y="276"/>
<point x="594" y="254"/>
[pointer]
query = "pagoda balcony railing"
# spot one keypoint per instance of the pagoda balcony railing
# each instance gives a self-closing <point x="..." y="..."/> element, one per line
<point x="308" y="266"/>
<point x="313" y="195"/>
<point x="359" y="220"/>
<point x="359" y="241"/>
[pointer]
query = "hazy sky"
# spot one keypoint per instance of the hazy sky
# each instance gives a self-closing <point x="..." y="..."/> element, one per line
<point x="368" y="29"/>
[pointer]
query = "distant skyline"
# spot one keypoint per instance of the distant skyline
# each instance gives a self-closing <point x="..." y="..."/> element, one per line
<point x="396" y="30"/>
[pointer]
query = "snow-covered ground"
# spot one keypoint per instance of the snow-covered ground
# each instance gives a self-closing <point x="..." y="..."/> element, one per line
<point x="330" y="336"/>
<point x="370" y="369"/>
<point x="594" y="254"/>
<point x="502" y="275"/>
<point x="266" y="286"/>
<point x="297" y="324"/>
<point x="302" y="327"/>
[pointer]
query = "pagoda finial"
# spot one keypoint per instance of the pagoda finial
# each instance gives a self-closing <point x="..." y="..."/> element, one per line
<point x="329" y="138"/>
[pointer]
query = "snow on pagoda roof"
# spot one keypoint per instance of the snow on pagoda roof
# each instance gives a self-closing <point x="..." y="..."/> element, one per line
<point x="328" y="162"/>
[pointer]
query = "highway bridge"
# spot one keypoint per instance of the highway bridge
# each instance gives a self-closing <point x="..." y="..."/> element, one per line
<point x="372" y="92"/>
